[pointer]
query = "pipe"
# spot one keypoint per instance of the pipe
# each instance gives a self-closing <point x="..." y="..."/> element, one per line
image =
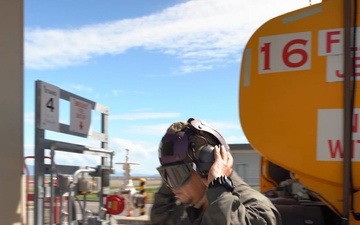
<point x="75" y="179"/>
<point x="79" y="171"/>
<point x="347" y="118"/>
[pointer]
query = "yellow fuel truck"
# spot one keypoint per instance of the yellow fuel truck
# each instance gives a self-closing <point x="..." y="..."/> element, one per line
<point x="299" y="107"/>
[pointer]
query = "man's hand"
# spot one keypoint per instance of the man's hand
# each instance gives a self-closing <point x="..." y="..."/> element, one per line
<point x="222" y="165"/>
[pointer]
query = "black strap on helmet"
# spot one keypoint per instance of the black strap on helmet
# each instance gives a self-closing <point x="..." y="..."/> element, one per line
<point x="199" y="126"/>
<point x="204" y="154"/>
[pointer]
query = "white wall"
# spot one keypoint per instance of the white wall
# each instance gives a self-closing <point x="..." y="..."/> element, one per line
<point x="246" y="163"/>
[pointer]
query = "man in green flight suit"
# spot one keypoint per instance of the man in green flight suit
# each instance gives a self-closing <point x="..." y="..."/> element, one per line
<point x="199" y="186"/>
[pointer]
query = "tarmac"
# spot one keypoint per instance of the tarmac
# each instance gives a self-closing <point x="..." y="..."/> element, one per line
<point x="137" y="219"/>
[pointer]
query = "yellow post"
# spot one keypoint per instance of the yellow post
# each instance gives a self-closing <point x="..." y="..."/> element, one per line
<point x="143" y="193"/>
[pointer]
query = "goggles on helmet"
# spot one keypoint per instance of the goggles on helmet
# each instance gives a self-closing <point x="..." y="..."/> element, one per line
<point x="177" y="175"/>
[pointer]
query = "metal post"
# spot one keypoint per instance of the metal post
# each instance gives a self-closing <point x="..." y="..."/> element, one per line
<point x="39" y="164"/>
<point x="104" y="160"/>
<point x="52" y="188"/>
<point x="142" y="192"/>
<point x="70" y="216"/>
<point x="347" y="110"/>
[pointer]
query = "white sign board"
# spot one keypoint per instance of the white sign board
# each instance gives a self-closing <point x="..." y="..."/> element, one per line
<point x="80" y="116"/>
<point x="330" y="135"/>
<point x="49" y="107"/>
<point x="285" y="52"/>
<point x="331" y="45"/>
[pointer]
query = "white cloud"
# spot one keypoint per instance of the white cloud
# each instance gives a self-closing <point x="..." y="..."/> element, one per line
<point x="29" y="117"/>
<point x="81" y="87"/>
<point x="140" y="152"/>
<point x="220" y="125"/>
<point x="65" y="158"/>
<point x="236" y="139"/>
<point x="198" y="32"/>
<point x="117" y="92"/>
<point x="29" y="152"/>
<point x="158" y="129"/>
<point x="143" y="115"/>
<point x="134" y="148"/>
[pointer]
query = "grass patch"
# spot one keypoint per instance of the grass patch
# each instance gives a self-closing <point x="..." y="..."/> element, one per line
<point x="150" y="192"/>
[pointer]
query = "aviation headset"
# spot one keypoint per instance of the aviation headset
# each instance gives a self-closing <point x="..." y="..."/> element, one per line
<point x="193" y="143"/>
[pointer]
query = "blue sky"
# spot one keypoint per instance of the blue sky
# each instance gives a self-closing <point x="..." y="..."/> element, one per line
<point x="152" y="62"/>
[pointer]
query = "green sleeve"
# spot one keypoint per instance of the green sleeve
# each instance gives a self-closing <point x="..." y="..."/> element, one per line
<point x="165" y="210"/>
<point x="242" y="207"/>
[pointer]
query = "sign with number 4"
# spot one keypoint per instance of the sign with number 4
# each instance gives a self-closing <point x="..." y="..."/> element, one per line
<point x="49" y="116"/>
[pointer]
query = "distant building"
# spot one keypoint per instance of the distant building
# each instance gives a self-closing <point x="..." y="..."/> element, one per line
<point x="246" y="163"/>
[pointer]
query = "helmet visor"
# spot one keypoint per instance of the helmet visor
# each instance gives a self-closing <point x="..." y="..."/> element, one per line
<point x="176" y="176"/>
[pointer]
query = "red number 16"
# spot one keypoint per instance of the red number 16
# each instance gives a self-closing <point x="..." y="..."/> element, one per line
<point x="287" y="52"/>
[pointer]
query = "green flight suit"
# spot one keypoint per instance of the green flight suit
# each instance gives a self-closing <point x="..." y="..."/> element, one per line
<point x="243" y="206"/>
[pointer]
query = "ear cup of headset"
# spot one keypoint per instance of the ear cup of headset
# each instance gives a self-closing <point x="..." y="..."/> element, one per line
<point x="205" y="159"/>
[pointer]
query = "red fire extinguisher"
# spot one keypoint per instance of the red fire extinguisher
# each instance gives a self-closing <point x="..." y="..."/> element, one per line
<point x="115" y="204"/>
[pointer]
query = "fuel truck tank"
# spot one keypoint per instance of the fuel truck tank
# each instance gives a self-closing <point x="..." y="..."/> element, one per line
<point x="297" y="107"/>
